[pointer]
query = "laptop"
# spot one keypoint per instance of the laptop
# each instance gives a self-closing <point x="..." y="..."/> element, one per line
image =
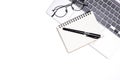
<point x="107" y="13"/>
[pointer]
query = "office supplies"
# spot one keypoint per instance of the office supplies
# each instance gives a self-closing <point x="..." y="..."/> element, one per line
<point x="88" y="34"/>
<point x="85" y="22"/>
<point x="61" y="10"/>
<point x="107" y="13"/>
<point x="64" y="8"/>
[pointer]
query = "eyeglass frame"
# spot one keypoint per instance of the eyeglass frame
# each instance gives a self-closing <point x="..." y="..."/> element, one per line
<point x="70" y="4"/>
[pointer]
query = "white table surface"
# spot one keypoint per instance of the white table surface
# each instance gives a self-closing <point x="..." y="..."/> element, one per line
<point x="30" y="48"/>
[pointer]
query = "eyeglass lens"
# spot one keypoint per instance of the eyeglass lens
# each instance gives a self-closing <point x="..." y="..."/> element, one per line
<point x="61" y="11"/>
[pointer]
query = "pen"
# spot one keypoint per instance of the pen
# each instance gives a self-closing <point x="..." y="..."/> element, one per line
<point x="88" y="34"/>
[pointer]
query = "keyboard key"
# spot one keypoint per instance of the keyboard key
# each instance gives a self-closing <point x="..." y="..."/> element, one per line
<point x="118" y="35"/>
<point x="104" y="5"/>
<point x="97" y="12"/>
<point x="116" y="31"/>
<point x="118" y="21"/>
<point x="109" y="3"/>
<point x="94" y="9"/>
<point x="112" y="11"/>
<point x="116" y="14"/>
<point x="114" y="18"/>
<point x="102" y="9"/>
<point x="101" y="15"/>
<point x="110" y="21"/>
<point x="106" y="12"/>
<point x="110" y="15"/>
<point x="98" y="17"/>
<point x="108" y="25"/>
<point x="96" y="0"/>
<point x="100" y="2"/>
<point x="113" y="6"/>
<point x="105" y="0"/>
<point x="108" y="8"/>
<point x="113" y="24"/>
<point x="86" y="9"/>
<point x="117" y="8"/>
<point x="105" y="18"/>
<point x="119" y="16"/>
<point x="103" y="22"/>
<point x="95" y="4"/>
<point x="91" y="1"/>
<point x="112" y="28"/>
<point x="118" y="27"/>
<point x="90" y="6"/>
<point x="98" y="7"/>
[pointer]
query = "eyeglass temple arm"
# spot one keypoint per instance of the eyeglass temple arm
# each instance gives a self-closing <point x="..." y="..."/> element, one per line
<point x="53" y="14"/>
<point x="58" y="7"/>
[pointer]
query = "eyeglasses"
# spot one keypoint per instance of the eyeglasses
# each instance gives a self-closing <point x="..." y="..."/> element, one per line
<point x="61" y="11"/>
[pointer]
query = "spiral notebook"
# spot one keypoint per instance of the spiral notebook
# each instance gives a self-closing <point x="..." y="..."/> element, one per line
<point x="85" y="22"/>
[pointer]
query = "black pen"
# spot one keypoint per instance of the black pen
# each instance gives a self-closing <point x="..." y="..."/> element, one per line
<point x="88" y="34"/>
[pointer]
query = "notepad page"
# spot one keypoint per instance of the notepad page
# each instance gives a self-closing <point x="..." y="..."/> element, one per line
<point x="74" y="41"/>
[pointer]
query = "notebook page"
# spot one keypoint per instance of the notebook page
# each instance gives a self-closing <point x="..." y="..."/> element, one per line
<point x="74" y="41"/>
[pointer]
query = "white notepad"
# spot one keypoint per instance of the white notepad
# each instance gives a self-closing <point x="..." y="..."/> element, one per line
<point x="85" y="22"/>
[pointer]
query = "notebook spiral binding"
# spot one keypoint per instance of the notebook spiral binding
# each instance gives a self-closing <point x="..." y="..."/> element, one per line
<point x="74" y="19"/>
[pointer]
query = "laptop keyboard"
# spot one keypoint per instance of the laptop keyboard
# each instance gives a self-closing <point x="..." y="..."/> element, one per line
<point x="107" y="13"/>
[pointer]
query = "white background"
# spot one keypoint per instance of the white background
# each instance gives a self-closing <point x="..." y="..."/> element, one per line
<point x="30" y="48"/>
